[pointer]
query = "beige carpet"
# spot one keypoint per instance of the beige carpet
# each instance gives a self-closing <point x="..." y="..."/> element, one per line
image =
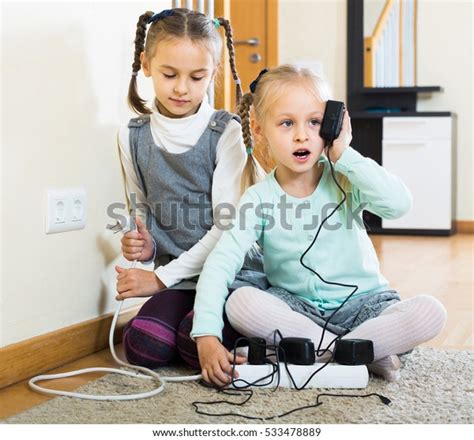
<point x="436" y="386"/>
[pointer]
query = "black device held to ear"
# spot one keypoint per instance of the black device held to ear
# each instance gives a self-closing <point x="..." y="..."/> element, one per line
<point x="332" y="120"/>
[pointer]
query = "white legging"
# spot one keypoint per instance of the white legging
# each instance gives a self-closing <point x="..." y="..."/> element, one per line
<point x="399" y="328"/>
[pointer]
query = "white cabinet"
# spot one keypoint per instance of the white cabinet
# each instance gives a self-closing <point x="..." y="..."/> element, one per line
<point x="419" y="151"/>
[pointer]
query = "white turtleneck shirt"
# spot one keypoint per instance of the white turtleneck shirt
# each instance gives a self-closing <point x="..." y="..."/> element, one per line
<point x="177" y="135"/>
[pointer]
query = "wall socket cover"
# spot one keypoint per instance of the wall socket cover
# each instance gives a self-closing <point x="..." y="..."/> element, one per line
<point x="66" y="210"/>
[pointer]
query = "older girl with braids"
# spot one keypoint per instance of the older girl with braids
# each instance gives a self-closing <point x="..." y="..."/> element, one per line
<point x="285" y="213"/>
<point x="182" y="160"/>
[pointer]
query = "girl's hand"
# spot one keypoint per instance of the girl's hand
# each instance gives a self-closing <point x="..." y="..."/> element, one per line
<point x="216" y="361"/>
<point x="138" y="245"/>
<point x="136" y="282"/>
<point x="342" y="141"/>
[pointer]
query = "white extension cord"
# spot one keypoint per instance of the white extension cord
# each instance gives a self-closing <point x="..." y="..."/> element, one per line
<point x="150" y="374"/>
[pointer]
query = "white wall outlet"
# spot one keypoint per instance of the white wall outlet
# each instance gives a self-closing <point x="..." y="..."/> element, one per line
<point x="66" y="210"/>
<point x="78" y="205"/>
<point x="59" y="211"/>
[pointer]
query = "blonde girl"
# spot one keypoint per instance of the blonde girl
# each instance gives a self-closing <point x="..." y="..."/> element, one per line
<point x="284" y="213"/>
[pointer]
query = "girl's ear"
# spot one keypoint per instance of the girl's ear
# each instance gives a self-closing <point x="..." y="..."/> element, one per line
<point x="145" y="64"/>
<point x="257" y="130"/>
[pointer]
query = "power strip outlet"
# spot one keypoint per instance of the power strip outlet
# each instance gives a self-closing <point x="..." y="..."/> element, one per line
<point x="331" y="376"/>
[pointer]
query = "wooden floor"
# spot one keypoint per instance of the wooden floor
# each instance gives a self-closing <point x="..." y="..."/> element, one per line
<point x="439" y="266"/>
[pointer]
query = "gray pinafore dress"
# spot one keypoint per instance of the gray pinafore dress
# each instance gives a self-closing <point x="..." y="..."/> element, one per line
<point x="178" y="192"/>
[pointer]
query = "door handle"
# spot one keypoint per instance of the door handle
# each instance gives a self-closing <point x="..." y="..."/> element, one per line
<point x="250" y="42"/>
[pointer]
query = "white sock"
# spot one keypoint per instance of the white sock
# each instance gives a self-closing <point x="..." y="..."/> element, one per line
<point x="387" y="367"/>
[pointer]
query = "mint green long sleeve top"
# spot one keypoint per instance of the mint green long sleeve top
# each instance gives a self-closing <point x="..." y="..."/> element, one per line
<point x="284" y="226"/>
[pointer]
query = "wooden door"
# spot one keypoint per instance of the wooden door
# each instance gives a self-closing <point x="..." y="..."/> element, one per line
<point x="255" y="33"/>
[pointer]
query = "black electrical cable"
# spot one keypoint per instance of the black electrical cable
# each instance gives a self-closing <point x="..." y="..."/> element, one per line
<point x="384" y="400"/>
<point x="318" y="350"/>
<point x="249" y="393"/>
<point x="255" y="383"/>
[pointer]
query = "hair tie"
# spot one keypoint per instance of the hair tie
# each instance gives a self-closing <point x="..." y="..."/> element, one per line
<point x="253" y="84"/>
<point x="249" y="150"/>
<point x="237" y="81"/>
<point x="216" y="22"/>
<point x="134" y="73"/>
<point x="163" y="14"/>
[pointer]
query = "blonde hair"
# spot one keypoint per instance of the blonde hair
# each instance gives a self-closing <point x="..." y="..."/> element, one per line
<point x="271" y="87"/>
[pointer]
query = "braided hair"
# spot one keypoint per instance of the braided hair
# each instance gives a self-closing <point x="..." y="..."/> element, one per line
<point x="178" y="23"/>
<point x="230" y="47"/>
<point x="250" y="173"/>
<point x="136" y="103"/>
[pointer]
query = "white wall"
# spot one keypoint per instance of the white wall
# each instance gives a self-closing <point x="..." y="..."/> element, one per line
<point x="316" y="29"/>
<point x="65" y="74"/>
<point x="444" y="55"/>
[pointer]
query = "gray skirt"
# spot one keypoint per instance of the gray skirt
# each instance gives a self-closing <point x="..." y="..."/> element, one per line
<point x="353" y="313"/>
